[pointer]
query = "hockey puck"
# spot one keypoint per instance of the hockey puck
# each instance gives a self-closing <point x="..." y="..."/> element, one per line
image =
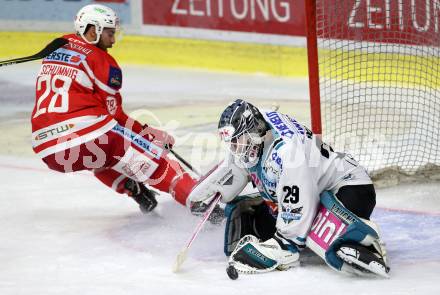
<point x="232" y="272"/>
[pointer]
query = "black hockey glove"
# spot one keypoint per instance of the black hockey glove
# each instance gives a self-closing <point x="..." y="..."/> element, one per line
<point x="145" y="197"/>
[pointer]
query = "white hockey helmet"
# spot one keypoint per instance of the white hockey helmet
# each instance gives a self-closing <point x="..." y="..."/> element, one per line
<point x="97" y="15"/>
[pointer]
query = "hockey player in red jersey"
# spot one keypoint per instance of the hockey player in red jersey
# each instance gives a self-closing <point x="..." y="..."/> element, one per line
<point x="78" y="122"/>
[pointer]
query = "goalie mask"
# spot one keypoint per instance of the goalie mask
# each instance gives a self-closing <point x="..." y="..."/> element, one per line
<point x="242" y="128"/>
<point x="96" y="15"/>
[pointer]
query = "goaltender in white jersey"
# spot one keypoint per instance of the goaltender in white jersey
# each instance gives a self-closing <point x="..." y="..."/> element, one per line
<point x="300" y="179"/>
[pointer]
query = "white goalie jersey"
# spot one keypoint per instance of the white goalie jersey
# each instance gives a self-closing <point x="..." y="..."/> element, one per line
<point x="295" y="167"/>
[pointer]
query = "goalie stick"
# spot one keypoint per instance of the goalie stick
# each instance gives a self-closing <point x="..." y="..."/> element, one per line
<point x="51" y="47"/>
<point x="181" y="257"/>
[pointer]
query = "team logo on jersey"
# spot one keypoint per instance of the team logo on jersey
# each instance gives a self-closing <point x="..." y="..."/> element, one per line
<point x="111" y="105"/>
<point x="115" y="78"/>
<point x="288" y="214"/>
<point x="66" y="56"/>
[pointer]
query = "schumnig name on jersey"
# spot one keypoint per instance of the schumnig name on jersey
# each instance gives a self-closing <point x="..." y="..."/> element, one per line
<point x="59" y="70"/>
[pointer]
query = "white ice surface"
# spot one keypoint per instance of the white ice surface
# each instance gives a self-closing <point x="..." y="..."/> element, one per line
<point x="68" y="234"/>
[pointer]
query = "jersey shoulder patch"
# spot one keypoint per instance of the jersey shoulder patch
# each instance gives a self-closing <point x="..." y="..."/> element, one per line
<point x="115" y="77"/>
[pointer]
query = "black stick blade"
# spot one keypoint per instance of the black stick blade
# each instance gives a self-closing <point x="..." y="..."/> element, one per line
<point x="51" y="47"/>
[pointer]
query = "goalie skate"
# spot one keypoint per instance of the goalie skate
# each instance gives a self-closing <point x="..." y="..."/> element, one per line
<point x="363" y="260"/>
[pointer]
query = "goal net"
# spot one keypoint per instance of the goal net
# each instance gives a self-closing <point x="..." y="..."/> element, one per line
<point x="378" y="65"/>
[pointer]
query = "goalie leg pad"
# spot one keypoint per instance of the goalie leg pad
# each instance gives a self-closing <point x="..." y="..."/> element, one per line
<point x="335" y="227"/>
<point x="247" y="215"/>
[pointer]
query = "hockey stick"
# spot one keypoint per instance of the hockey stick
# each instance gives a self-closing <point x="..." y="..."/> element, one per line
<point x="183" y="253"/>
<point x="182" y="160"/>
<point x="51" y="47"/>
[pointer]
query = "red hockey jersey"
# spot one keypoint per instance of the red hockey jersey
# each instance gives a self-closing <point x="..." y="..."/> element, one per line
<point x="77" y="97"/>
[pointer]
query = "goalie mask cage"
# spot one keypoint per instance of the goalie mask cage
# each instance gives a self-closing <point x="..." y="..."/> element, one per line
<point x="374" y="77"/>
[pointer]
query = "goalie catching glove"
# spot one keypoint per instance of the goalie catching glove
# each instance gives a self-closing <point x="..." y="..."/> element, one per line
<point x="253" y="256"/>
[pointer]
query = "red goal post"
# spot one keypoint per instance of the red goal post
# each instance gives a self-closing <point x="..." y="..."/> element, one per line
<point x="374" y="81"/>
